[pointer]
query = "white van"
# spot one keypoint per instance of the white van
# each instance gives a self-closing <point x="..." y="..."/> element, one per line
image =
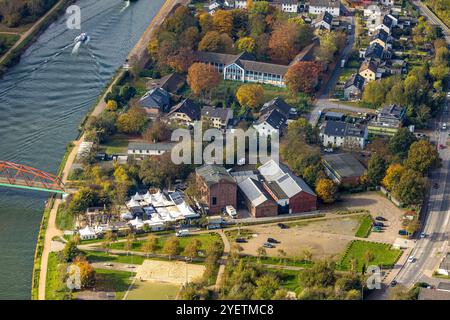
<point x="231" y="211"/>
<point x="182" y="233"/>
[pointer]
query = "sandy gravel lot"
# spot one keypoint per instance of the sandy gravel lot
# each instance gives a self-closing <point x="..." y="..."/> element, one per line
<point x="327" y="238"/>
<point x="324" y="238"/>
<point x="378" y="205"/>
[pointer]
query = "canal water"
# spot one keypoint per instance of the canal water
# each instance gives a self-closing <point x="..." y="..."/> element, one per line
<point x="42" y="102"/>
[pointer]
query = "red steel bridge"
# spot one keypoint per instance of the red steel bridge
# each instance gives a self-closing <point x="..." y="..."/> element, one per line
<point x="19" y="176"/>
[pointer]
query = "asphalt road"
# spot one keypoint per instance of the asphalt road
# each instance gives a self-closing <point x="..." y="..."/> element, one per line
<point x="323" y="101"/>
<point x="429" y="251"/>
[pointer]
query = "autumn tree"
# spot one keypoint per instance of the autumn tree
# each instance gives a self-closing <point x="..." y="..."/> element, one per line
<point x="302" y="77"/>
<point x="86" y="272"/>
<point x="215" y="42"/>
<point x="250" y="95"/>
<point x="246" y="44"/>
<point x="282" y="43"/>
<point x="181" y="60"/>
<point x="191" y="249"/>
<point x="411" y="188"/>
<point x="150" y="245"/>
<point x="422" y="156"/>
<point x="399" y="144"/>
<point x="202" y="78"/>
<point x="205" y="21"/>
<point x="171" y="246"/>
<point x="326" y="189"/>
<point x="157" y="132"/>
<point x="111" y="105"/>
<point x="223" y="21"/>
<point x="330" y="43"/>
<point x="393" y="174"/>
<point x="133" y="121"/>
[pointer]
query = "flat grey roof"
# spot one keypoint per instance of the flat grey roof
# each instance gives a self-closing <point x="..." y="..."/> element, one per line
<point x="344" y="164"/>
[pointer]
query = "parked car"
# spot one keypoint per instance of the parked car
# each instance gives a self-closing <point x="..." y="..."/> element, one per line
<point x="436" y="185"/>
<point x="376" y="229"/>
<point x="378" y="224"/>
<point x="272" y="240"/>
<point x="411" y="260"/>
<point x="393" y="283"/>
<point x="380" y="218"/>
<point x="213" y="226"/>
<point x="441" y="146"/>
<point x="444" y="126"/>
<point x="403" y="232"/>
<point x="108" y="264"/>
<point x="241" y="240"/>
<point x="283" y="226"/>
<point x="423" y="235"/>
<point x="268" y="245"/>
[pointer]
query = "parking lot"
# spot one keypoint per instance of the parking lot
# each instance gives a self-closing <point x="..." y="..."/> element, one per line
<point x="330" y="236"/>
<point x="378" y="205"/>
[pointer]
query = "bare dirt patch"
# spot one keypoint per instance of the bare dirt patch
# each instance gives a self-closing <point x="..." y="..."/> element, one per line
<point x="323" y="238"/>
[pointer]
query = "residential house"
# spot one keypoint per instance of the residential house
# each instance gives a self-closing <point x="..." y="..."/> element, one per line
<point x="243" y="67"/>
<point x="388" y="120"/>
<point x="217" y="187"/>
<point x="387" y="24"/>
<point x="319" y="6"/>
<point x="258" y="201"/>
<point x="155" y="102"/>
<point x="279" y="104"/>
<point x="291" y="193"/>
<point x="215" y="5"/>
<point x="271" y="122"/>
<point x="323" y="21"/>
<point x="343" y="134"/>
<point x="433" y="294"/>
<point x="240" y="4"/>
<point x="343" y="168"/>
<point x="381" y="37"/>
<point x="375" y="52"/>
<point x="218" y="117"/>
<point x="368" y="70"/>
<point x="284" y="5"/>
<point x="290" y="6"/>
<point x="185" y="113"/>
<point x="149" y="149"/>
<point x="353" y="87"/>
<point x="171" y="83"/>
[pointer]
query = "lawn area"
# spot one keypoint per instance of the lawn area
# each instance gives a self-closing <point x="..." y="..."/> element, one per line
<point x="205" y="239"/>
<point x="64" y="220"/>
<point x="7" y="41"/>
<point x="383" y="255"/>
<point x="153" y="290"/>
<point x="365" y="227"/>
<point x="228" y="87"/>
<point x="95" y="256"/>
<point x="113" y="280"/>
<point x="288" y="279"/>
<point x="53" y="285"/>
<point x="115" y="145"/>
<point x="346" y="73"/>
